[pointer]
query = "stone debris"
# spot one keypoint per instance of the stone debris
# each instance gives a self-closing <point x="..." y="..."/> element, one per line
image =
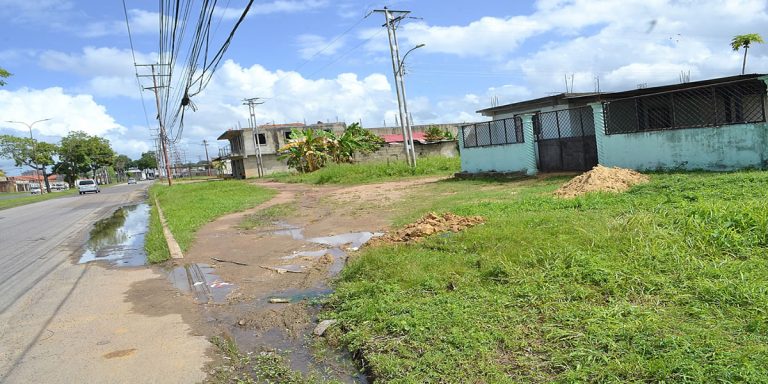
<point x="601" y="178"/>
<point x="323" y="326"/>
<point x="430" y="224"/>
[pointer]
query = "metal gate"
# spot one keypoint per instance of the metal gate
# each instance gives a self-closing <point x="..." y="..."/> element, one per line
<point x="566" y="140"/>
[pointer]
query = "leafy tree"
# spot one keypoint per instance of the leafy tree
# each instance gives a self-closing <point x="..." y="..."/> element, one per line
<point x="4" y="75"/>
<point x="355" y="139"/>
<point x="83" y="153"/>
<point x="148" y="160"/>
<point x="32" y="153"/>
<point x="744" y="41"/>
<point x="122" y="163"/>
<point x="310" y="149"/>
<point x="2" y="173"/>
<point x="307" y="150"/>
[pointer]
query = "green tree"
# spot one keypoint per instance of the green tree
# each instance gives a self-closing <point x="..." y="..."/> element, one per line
<point x="83" y="153"/>
<point x="307" y="150"/>
<point x="744" y="41"/>
<point x="2" y="173"/>
<point x="4" y="75"/>
<point x="148" y="160"/>
<point x="355" y="139"/>
<point x="122" y="163"/>
<point x="32" y="153"/>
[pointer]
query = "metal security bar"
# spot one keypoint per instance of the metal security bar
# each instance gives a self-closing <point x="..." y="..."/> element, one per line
<point x="574" y="122"/>
<point x="709" y="106"/>
<point x="495" y="132"/>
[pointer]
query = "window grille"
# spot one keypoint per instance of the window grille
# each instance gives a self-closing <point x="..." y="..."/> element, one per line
<point x="711" y="106"/>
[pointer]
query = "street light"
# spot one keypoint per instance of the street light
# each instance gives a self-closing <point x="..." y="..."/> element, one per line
<point x="399" y="75"/>
<point x="34" y="148"/>
<point x="402" y="61"/>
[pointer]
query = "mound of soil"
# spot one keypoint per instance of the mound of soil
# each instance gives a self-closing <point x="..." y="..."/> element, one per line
<point x="429" y="225"/>
<point x="601" y="178"/>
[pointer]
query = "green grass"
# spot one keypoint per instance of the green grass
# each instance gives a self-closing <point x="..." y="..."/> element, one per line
<point x="19" y="201"/>
<point x="665" y="283"/>
<point x="267" y="215"/>
<point x="363" y="173"/>
<point x="187" y="207"/>
<point x="155" y="244"/>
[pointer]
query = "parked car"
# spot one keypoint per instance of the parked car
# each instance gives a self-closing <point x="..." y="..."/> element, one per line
<point x="88" y="185"/>
<point x="35" y="190"/>
<point x="131" y="180"/>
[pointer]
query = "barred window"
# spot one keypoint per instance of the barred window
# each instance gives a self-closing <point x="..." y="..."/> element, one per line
<point x="495" y="132"/>
<point x="711" y="106"/>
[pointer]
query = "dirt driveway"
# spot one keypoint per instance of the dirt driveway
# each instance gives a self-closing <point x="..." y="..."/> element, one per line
<point x="256" y="286"/>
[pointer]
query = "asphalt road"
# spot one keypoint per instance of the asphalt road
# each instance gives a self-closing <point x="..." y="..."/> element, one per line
<point x="36" y="238"/>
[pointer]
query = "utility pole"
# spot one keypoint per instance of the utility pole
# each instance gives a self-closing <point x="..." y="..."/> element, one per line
<point x="252" y="103"/>
<point x="163" y="135"/>
<point x="392" y="18"/>
<point x="207" y="159"/>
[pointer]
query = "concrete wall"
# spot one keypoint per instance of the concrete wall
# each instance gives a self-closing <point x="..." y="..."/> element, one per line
<point x="396" y="152"/>
<point x="717" y="149"/>
<point x="520" y="157"/>
<point x="722" y="148"/>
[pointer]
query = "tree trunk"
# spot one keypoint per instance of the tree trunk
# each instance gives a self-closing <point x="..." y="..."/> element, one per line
<point x="744" y="63"/>
<point x="45" y="180"/>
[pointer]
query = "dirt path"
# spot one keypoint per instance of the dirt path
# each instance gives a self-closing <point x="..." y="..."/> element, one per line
<point x="292" y="260"/>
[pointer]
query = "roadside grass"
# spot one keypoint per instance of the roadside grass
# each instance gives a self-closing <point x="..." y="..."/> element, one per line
<point x="187" y="207"/>
<point x="267" y="215"/>
<point x="362" y="173"/>
<point x="19" y="201"/>
<point x="155" y="245"/>
<point x="665" y="283"/>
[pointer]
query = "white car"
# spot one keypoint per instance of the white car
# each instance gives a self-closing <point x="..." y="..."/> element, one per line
<point x="131" y="180"/>
<point x="88" y="185"/>
<point x="35" y="190"/>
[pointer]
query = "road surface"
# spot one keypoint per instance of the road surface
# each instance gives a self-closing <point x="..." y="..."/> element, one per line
<point x="67" y="322"/>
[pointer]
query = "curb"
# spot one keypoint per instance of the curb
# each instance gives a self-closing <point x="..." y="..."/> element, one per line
<point x="173" y="246"/>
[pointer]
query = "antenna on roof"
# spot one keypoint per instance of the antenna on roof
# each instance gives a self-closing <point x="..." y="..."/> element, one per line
<point x="569" y="89"/>
<point x="597" y="83"/>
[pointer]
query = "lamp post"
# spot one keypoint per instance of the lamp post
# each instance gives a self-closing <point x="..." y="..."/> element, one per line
<point x="409" y="139"/>
<point x="34" y="148"/>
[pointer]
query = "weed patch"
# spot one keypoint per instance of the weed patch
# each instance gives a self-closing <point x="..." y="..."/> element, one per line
<point x="267" y="215"/>
<point x="363" y="173"/>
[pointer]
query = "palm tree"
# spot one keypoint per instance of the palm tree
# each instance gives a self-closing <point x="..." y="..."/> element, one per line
<point x="744" y="41"/>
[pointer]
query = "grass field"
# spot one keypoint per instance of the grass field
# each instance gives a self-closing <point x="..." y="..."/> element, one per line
<point x="187" y="207"/>
<point x="373" y="172"/>
<point x="665" y="283"/>
<point x="29" y="199"/>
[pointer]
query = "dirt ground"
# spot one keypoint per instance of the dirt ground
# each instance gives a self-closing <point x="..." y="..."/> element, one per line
<point x="235" y="274"/>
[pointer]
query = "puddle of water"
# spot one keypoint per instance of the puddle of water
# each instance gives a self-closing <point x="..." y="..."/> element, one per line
<point x="201" y="281"/>
<point x="119" y="239"/>
<point x="354" y="239"/>
<point x="335" y="252"/>
<point x="295" y="233"/>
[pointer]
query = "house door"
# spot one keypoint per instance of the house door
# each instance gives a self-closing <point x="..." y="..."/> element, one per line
<point x="566" y="140"/>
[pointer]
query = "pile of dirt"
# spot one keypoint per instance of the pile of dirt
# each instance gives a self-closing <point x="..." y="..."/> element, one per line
<point x="601" y="178"/>
<point x="429" y="225"/>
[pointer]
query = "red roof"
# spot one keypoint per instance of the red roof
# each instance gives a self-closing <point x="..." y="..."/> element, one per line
<point x="417" y="136"/>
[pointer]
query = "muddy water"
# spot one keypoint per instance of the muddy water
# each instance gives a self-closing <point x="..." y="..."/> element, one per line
<point x="201" y="281"/>
<point x="119" y="239"/>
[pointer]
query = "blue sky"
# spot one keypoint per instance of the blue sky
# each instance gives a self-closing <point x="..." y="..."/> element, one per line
<point x="314" y="60"/>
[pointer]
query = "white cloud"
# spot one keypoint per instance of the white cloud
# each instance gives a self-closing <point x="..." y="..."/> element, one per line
<point x="314" y="45"/>
<point x="67" y="112"/>
<point x="286" y="6"/>
<point x="110" y="71"/>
